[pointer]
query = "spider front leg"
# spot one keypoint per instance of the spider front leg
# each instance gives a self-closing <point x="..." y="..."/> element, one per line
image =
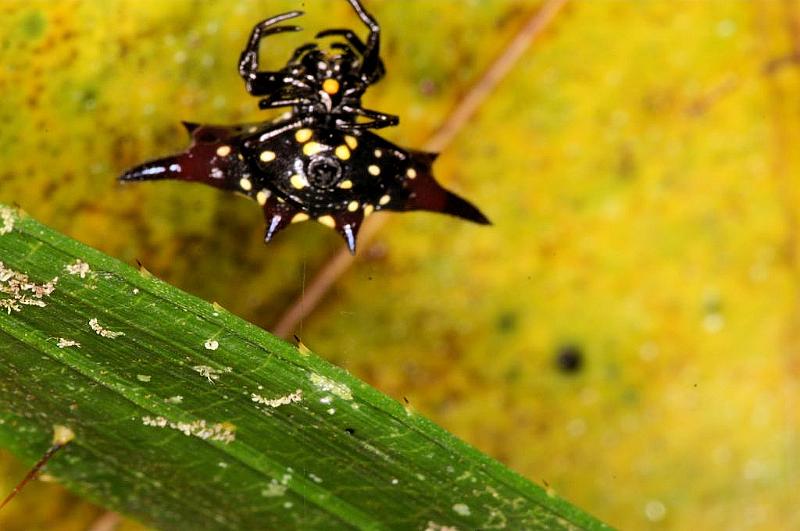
<point x="300" y="51"/>
<point x="360" y="47"/>
<point x="263" y="83"/>
<point x="349" y="35"/>
<point x="372" y="50"/>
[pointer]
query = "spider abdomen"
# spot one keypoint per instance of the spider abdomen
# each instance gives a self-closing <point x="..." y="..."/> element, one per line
<point x="325" y="170"/>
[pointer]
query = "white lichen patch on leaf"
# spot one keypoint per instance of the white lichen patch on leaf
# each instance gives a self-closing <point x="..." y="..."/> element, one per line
<point x="274" y="489"/>
<point x="16" y="290"/>
<point x="324" y="383"/>
<point x="177" y="399"/>
<point x="291" y="398"/>
<point x="211" y="344"/>
<point x="370" y="448"/>
<point x="7" y="219"/>
<point x="79" y="267"/>
<point x="223" y="432"/>
<point x="102" y="331"/>
<point x="210" y="373"/>
<point x="462" y="509"/>
<point x="66" y="343"/>
<point x="496" y="520"/>
<point x="433" y="526"/>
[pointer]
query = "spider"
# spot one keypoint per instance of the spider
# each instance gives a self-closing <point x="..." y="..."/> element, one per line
<point x="320" y="160"/>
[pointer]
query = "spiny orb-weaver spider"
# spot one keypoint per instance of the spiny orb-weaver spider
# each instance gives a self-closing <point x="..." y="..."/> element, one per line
<point x="320" y="161"/>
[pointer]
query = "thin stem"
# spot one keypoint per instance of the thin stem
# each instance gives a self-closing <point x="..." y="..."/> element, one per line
<point x="32" y="473"/>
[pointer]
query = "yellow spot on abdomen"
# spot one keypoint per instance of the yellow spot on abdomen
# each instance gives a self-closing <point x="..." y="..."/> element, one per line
<point x="352" y="206"/>
<point x="351" y="141"/>
<point x="299" y="217"/>
<point x="378" y="153"/>
<point x="411" y="173"/>
<point x="346" y="184"/>
<point x="331" y="86"/>
<point x="223" y="151"/>
<point x="303" y="135"/>
<point x="267" y="156"/>
<point x="312" y="148"/>
<point x="262" y="197"/>
<point x="298" y="181"/>
<point x="343" y="152"/>
<point x="385" y="199"/>
<point x="327" y="221"/>
<point x="368" y="209"/>
<point x="373" y="170"/>
<point x="245" y="184"/>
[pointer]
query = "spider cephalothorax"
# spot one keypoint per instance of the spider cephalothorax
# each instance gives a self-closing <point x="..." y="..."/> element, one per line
<point x="320" y="161"/>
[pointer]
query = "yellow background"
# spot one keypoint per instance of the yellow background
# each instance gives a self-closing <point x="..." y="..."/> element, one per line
<point x="640" y="165"/>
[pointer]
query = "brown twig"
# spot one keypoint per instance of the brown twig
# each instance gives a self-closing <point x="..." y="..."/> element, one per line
<point x="463" y="112"/>
<point x="31" y="473"/>
<point x="62" y="436"/>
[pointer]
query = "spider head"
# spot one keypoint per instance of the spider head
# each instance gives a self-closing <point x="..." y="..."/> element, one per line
<point x="331" y="75"/>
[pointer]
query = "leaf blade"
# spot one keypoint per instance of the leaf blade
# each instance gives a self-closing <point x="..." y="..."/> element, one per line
<point x="262" y="435"/>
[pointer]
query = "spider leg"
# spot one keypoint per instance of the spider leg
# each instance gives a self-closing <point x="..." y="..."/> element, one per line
<point x="358" y="45"/>
<point x="348" y="51"/>
<point x="281" y="128"/>
<point x="347" y="126"/>
<point x="269" y="103"/>
<point x="292" y="93"/>
<point x="262" y="83"/>
<point x="300" y="51"/>
<point x="349" y="35"/>
<point x="371" y="65"/>
<point x="379" y="119"/>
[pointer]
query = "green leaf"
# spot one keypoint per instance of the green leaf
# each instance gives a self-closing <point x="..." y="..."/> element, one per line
<point x="188" y="417"/>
